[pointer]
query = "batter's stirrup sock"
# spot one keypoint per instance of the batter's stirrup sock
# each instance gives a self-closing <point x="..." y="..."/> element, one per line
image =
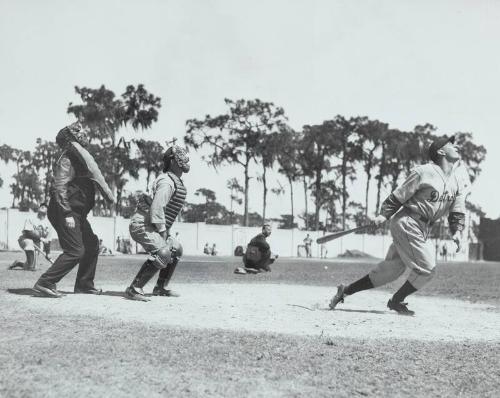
<point x="166" y="274"/>
<point x="361" y="284"/>
<point x="147" y="271"/>
<point x="403" y="292"/>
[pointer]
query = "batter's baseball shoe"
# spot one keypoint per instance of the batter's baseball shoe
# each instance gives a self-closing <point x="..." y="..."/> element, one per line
<point x="338" y="298"/>
<point x="135" y="293"/>
<point x="400" y="308"/>
<point x="160" y="291"/>
<point x="44" y="291"/>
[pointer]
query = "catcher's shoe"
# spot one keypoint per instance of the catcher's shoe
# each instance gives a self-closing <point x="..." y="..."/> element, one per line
<point x="400" y="308"/>
<point x="160" y="291"/>
<point x="339" y="297"/>
<point x="135" y="293"/>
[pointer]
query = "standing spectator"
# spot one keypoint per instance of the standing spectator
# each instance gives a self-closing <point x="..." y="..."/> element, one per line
<point x="324" y="251"/>
<point x="307" y="243"/>
<point x="444" y="252"/>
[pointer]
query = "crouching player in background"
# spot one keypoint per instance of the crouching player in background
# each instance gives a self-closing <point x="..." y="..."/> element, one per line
<point x="258" y="256"/>
<point x="35" y="232"/>
<point x="151" y="223"/>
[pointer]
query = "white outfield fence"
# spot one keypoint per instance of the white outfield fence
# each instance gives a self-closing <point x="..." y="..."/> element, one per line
<point x="194" y="236"/>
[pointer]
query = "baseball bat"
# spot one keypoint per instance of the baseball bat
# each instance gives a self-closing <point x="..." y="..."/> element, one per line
<point x="43" y="253"/>
<point x="336" y="235"/>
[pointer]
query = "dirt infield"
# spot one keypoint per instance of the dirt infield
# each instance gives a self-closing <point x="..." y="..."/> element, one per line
<point x="289" y="309"/>
<point x="266" y="335"/>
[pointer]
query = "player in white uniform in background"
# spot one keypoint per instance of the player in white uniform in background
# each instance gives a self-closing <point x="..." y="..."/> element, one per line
<point x="36" y="231"/>
<point x="430" y="192"/>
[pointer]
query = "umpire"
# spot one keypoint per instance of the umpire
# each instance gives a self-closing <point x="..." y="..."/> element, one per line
<point x="72" y="197"/>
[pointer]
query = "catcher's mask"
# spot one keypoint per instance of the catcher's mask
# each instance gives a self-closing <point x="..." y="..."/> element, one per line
<point x="72" y="133"/>
<point x="179" y="155"/>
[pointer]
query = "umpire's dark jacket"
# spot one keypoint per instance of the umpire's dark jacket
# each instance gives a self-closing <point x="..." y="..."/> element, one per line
<point x="73" y="191"/>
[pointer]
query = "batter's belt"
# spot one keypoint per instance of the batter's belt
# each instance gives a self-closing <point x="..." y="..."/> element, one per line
<point x="418" y="217"/>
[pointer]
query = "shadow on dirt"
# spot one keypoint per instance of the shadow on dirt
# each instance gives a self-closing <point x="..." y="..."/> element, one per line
<point x="363" y="311"/>
<point x="25" y="291"/>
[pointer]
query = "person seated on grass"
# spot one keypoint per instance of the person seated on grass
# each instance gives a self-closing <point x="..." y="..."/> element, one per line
<point x="206" y="249"/>
<point x="258" y="256"/>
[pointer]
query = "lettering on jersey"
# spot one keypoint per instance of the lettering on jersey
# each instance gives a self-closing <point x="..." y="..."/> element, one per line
<point x="445" y="197"/>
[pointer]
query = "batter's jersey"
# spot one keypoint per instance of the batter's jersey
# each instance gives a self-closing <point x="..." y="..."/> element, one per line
<point x="432" y="194"/>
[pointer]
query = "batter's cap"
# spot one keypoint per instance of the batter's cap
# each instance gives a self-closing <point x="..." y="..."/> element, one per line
<point x="437" y="145"/>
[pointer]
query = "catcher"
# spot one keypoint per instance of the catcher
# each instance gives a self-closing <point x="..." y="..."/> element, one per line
<point x="35" y="232"/>
<point x="151" y="223"/>
<point x="258" y="256"/>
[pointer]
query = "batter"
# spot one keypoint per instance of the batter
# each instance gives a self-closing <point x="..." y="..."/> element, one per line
<point x="430" y="192"/>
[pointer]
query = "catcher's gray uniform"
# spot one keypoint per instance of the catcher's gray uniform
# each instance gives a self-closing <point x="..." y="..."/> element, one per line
<point x="169" y="194"/>
<point x="427" y="195"/>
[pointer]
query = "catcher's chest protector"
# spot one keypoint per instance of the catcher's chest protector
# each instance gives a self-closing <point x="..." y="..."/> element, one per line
<point x="176" y="201"/>
<point x="253" y="253"/>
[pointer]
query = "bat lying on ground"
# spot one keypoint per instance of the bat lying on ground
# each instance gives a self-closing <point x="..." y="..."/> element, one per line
<point x="43" y="254"/>
<point x="336" y="235"/>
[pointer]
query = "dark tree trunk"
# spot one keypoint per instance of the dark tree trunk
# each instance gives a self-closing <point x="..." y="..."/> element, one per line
<point x="247" y="179"/>
<point x="306" y="207"/>
<point x="291" y="197"/>
<point x="264" y="182"/>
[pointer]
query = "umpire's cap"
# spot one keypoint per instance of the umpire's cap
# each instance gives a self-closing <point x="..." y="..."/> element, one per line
<point x="437" y="145"/>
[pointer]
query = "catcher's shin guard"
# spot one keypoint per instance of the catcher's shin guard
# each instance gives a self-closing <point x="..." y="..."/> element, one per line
<point x="164" y="279"/>
<point x="147" y="271"/>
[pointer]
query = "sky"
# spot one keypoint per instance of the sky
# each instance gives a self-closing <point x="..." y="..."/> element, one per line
<point x="402" y="62"/>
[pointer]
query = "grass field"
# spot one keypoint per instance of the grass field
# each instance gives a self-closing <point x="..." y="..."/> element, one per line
<point x="265" y="335"/>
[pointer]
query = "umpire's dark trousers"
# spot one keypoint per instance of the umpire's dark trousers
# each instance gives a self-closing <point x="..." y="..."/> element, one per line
<point x="80" y="246"/>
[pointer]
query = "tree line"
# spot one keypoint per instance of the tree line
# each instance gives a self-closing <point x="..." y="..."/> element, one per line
<point x="325" y="159"/>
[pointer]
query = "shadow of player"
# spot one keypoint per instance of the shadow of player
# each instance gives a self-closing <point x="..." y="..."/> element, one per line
<point x="25" y="291"/>
<point x="362" y="311"/>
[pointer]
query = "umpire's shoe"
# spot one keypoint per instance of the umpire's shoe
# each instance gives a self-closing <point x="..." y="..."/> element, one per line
<point x="160" y="291"/>
<point x="135" y="293"/>
<point x="338" y="298"/>
<point x="44" y="291"/>
<point x="400" y="308"/>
